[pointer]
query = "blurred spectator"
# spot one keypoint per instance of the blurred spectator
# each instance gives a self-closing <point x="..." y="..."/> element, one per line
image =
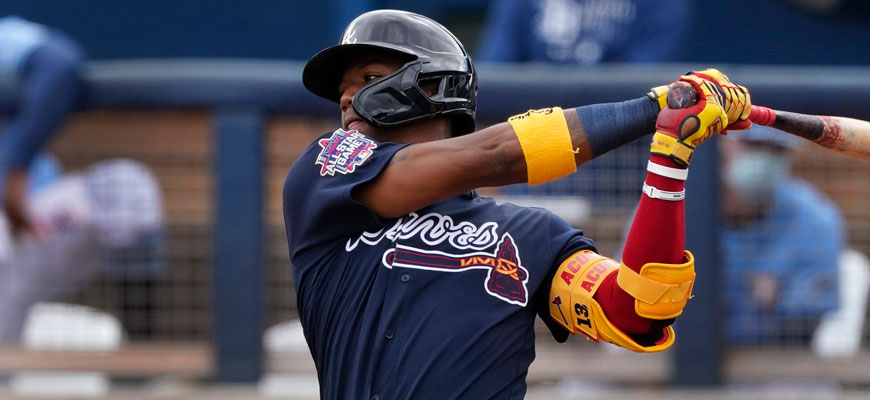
<point x="57" y="231"/>
<point x="584" y="32"/>
<point x="45" y="65"/>
<point x="109" y="218"/>
<point x="781" y="242"/>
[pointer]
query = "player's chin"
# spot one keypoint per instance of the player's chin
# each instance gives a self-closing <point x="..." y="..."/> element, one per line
<point x="364" y="128"/>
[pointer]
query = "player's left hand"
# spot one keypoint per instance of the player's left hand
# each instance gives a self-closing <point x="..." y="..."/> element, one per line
<point x="734" y="98"/>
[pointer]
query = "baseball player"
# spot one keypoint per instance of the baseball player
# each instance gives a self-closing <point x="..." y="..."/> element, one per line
<point x="410" y="284"/>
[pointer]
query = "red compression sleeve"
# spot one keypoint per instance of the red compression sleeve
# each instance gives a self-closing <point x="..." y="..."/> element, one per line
<point x="657" y="234"/>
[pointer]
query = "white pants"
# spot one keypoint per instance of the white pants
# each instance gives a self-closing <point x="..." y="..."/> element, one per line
<point x="110" y="204"/>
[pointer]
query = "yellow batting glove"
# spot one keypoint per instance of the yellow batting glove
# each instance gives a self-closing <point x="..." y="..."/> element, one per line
<point x="698" y="116"/>
<point x="734" y="98"/>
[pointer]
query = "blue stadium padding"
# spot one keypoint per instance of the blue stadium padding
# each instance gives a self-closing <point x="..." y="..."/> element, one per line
<point x="698" y="350"/>
<point x="238" y="246"/>
<point x="273" y="86"/>
<point x="276" y="87"/>
<point x="816" y="90"/>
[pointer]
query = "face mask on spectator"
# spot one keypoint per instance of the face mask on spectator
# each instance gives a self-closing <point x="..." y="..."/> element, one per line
<point x="755" y="173"/>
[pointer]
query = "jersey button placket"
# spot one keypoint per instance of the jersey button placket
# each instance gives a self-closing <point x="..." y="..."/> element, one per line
<point x="389" y="334"/>
<point x="376" y="397"/>
<point x="405" y="277"/>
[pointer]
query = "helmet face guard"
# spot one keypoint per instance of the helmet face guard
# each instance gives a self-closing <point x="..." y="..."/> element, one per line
<point x="436" y="57"/>
<point x="401" y="97"/>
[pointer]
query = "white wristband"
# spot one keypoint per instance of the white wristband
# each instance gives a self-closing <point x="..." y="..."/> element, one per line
<point x="655" y="193"/>
<point x="667" y="172"/>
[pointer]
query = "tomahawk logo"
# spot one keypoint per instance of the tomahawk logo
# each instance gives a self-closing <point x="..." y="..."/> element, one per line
<point x="343" y="152"/>
<point x="506" y="278"/>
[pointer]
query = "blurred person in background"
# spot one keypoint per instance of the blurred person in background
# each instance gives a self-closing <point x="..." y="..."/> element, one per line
<point x="44" y="64"/>
<point x="584" y="32"/>
<point x="781" y="242"/>
<point x="59" y="230"/>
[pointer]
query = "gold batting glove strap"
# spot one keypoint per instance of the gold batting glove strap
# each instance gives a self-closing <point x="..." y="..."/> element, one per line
<point x="660" y="290"/>
<point x="573" y="306"/>
<point x="669" y="146"/>
<point x="660" y="95"/>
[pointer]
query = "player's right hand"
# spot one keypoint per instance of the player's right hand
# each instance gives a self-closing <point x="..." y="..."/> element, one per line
<point x="693" y="114"/>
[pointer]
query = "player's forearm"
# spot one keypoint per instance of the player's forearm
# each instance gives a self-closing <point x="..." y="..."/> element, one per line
<point x="604" y="127"/>
<point x="555" y="141"/>
<point x="657" y="232"/>
<point x="656" y="236"/>
<point x="593" y="129"/>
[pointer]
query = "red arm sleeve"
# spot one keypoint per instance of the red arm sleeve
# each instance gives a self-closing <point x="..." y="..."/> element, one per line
<point x="657" y="234"/>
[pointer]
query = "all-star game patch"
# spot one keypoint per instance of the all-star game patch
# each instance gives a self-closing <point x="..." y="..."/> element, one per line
<point x="343" y="152"/>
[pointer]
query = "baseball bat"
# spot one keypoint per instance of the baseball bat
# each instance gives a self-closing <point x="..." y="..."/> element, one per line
<point x="848" y="136"/>
<point x="844" y="135"/>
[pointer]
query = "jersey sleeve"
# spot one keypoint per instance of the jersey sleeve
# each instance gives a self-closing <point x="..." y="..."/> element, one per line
<point x="565" y="240"/>
<point x="317" y="201"/>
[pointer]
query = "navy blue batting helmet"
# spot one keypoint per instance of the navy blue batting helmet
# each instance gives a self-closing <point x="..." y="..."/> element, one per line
<point x="434" y="55"/>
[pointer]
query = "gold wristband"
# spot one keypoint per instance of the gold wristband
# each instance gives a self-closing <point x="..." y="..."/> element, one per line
<point x="546" y="144"/>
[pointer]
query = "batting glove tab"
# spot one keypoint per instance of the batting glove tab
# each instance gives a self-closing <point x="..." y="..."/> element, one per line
<point x="693" y="114"/>
<point x="733" y="98"/>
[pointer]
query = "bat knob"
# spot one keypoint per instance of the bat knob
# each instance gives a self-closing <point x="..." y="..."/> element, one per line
<point x="681" y="95"/>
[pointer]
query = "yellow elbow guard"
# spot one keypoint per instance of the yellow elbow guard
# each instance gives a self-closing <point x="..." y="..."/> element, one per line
<point x="546" y="142"/>
<point x="573" y="306"/>
<point x="660" y="290"/>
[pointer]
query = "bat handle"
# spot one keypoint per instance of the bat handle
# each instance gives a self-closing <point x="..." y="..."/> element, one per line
<point x="683" y="95"/>
<point x="762" y="115"/>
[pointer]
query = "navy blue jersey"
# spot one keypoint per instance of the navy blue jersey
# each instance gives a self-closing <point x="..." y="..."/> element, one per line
<point x="437" y="304"/>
